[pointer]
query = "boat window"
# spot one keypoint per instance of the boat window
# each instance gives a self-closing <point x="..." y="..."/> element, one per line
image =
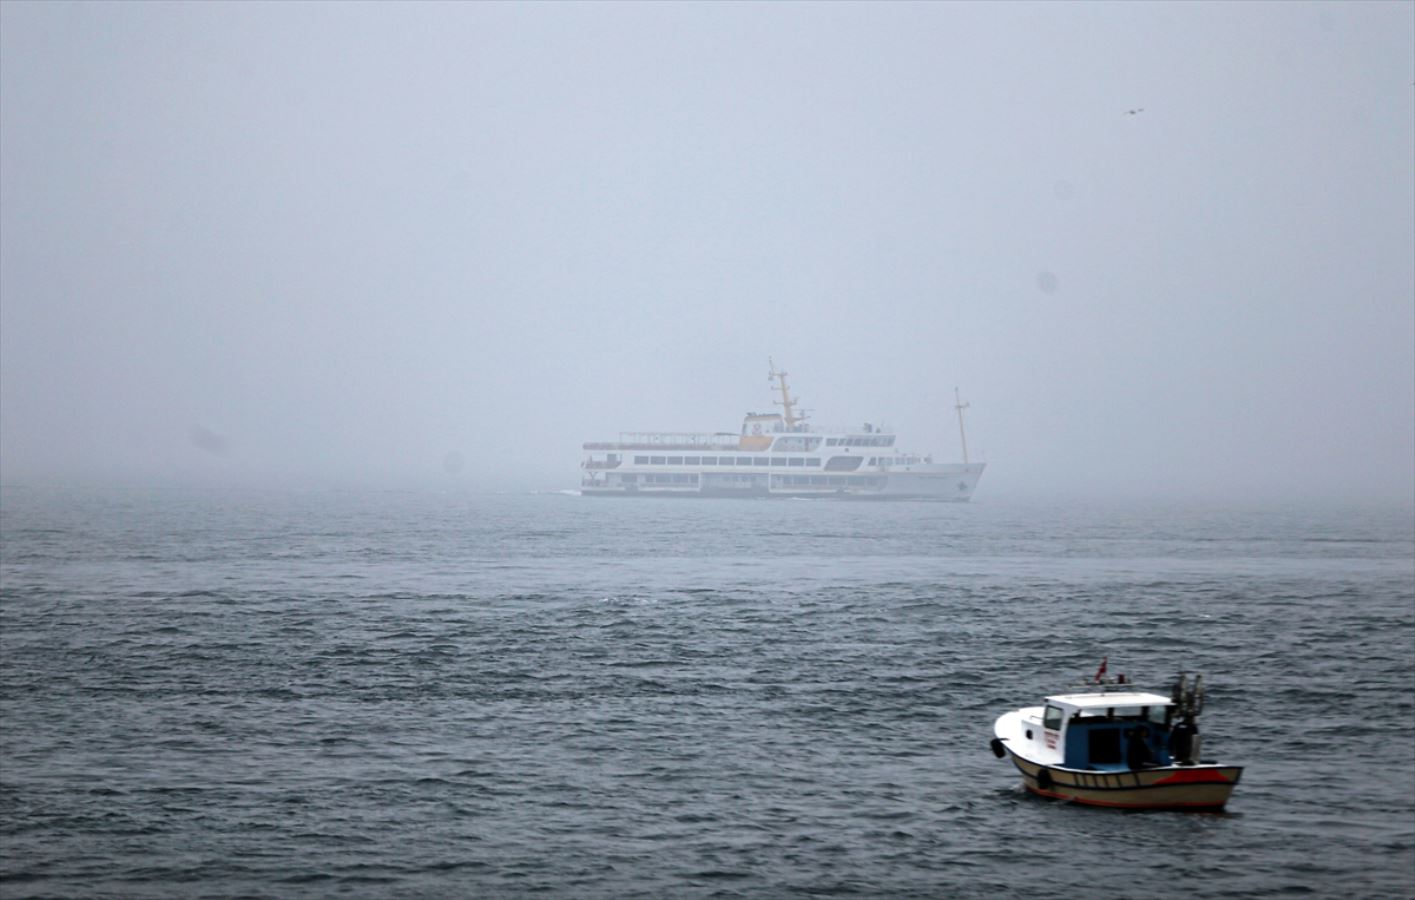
<point x="641" y="460"/>
<point x="831" y="442"/>
<point x="1051" y="719"/>
<point x="675" y="460"/>
<point x="629" y="479"/>
<point x="763" y="460"/>
<point x="813" y="461"/>
<point x="744" y="460"/>
<point x="1104" y="746"/>
<point x="692" y="460"/>
<point x="656" y="460"/>
<point x="778" y="461"/>
<point x="796" y="461"/>
<point x="708" y="460"/>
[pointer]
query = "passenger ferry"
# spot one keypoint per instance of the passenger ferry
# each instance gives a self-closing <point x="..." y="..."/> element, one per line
<point x="775" y="455"/>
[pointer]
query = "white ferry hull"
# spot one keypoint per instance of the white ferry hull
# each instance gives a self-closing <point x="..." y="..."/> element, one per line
<point x="942" y="482"/>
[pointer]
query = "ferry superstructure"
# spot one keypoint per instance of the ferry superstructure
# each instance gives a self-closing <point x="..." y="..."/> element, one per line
<point x="775" y="455"/>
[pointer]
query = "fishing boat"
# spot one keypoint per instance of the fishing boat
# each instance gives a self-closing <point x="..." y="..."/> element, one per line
<point x="776" y="454"/>
<point x="1111" y="744"/>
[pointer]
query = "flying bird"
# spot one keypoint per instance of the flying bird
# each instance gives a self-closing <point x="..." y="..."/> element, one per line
<point x="1134" y="112"/>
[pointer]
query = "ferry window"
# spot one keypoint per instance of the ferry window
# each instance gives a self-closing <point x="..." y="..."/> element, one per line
<point x="692" y="479"/>
<point x="889" y="442"/>
<point x="1051" y="719"/>
<point x="641" y="460"/>
<point x="871" y="462"/>
<point x="656" y="460"/>
<point x="629" y="479"/>
<point x="763" y="460"/>
<point x="744" y="460"/>
<point x="708" y="460"/>
<point x="692" y="460"/>
<point x="778" y="461"/>
<point x="796" y="461"/>
<point x="675" y="460"/>
<point x="831" y="442"/>
<point x="813" y="461"/>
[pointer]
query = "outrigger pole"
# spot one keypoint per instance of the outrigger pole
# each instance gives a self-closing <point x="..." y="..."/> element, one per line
<point x="959" y="405"/>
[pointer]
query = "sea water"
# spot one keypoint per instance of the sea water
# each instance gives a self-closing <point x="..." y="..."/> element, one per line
<point x="288" y="694"/>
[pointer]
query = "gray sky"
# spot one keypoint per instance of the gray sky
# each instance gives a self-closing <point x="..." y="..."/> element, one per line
<point x="331" y="244"/>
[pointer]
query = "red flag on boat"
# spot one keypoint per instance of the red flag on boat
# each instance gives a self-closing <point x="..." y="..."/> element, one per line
<point x="1100" y="673"/>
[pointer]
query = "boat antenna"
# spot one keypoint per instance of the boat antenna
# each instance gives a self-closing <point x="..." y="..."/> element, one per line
<point x="787" y="405"/>
<point x="959" y="405"/>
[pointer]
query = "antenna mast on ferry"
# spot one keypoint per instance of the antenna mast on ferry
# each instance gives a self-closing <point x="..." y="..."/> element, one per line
<point x="786" y="403"/>
<point x="959" y="405"/>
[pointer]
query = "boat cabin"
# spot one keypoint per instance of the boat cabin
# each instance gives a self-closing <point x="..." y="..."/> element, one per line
<point x="1101" y="731"/>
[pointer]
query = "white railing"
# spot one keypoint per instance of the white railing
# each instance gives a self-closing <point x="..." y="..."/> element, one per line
<point x="678" y="438"/>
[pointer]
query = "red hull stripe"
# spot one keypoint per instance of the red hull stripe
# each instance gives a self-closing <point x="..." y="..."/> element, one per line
<point x="1194" y="776"/>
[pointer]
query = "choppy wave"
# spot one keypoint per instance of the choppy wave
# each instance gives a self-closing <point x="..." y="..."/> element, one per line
<point x="501" y="696"/>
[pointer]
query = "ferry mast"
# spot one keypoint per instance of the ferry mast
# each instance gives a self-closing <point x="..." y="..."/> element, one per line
<point x="959" y="405"/>
<point x="787" y="405"/>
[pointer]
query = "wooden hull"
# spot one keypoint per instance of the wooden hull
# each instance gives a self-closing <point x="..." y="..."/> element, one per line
<point x="1200" y="787"/>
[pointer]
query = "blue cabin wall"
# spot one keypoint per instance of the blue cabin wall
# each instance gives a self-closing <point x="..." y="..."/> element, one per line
<point x="1078" y="743"/>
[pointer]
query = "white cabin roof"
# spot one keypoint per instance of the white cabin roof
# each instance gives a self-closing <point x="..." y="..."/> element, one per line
<point x="1112" y="698"/>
